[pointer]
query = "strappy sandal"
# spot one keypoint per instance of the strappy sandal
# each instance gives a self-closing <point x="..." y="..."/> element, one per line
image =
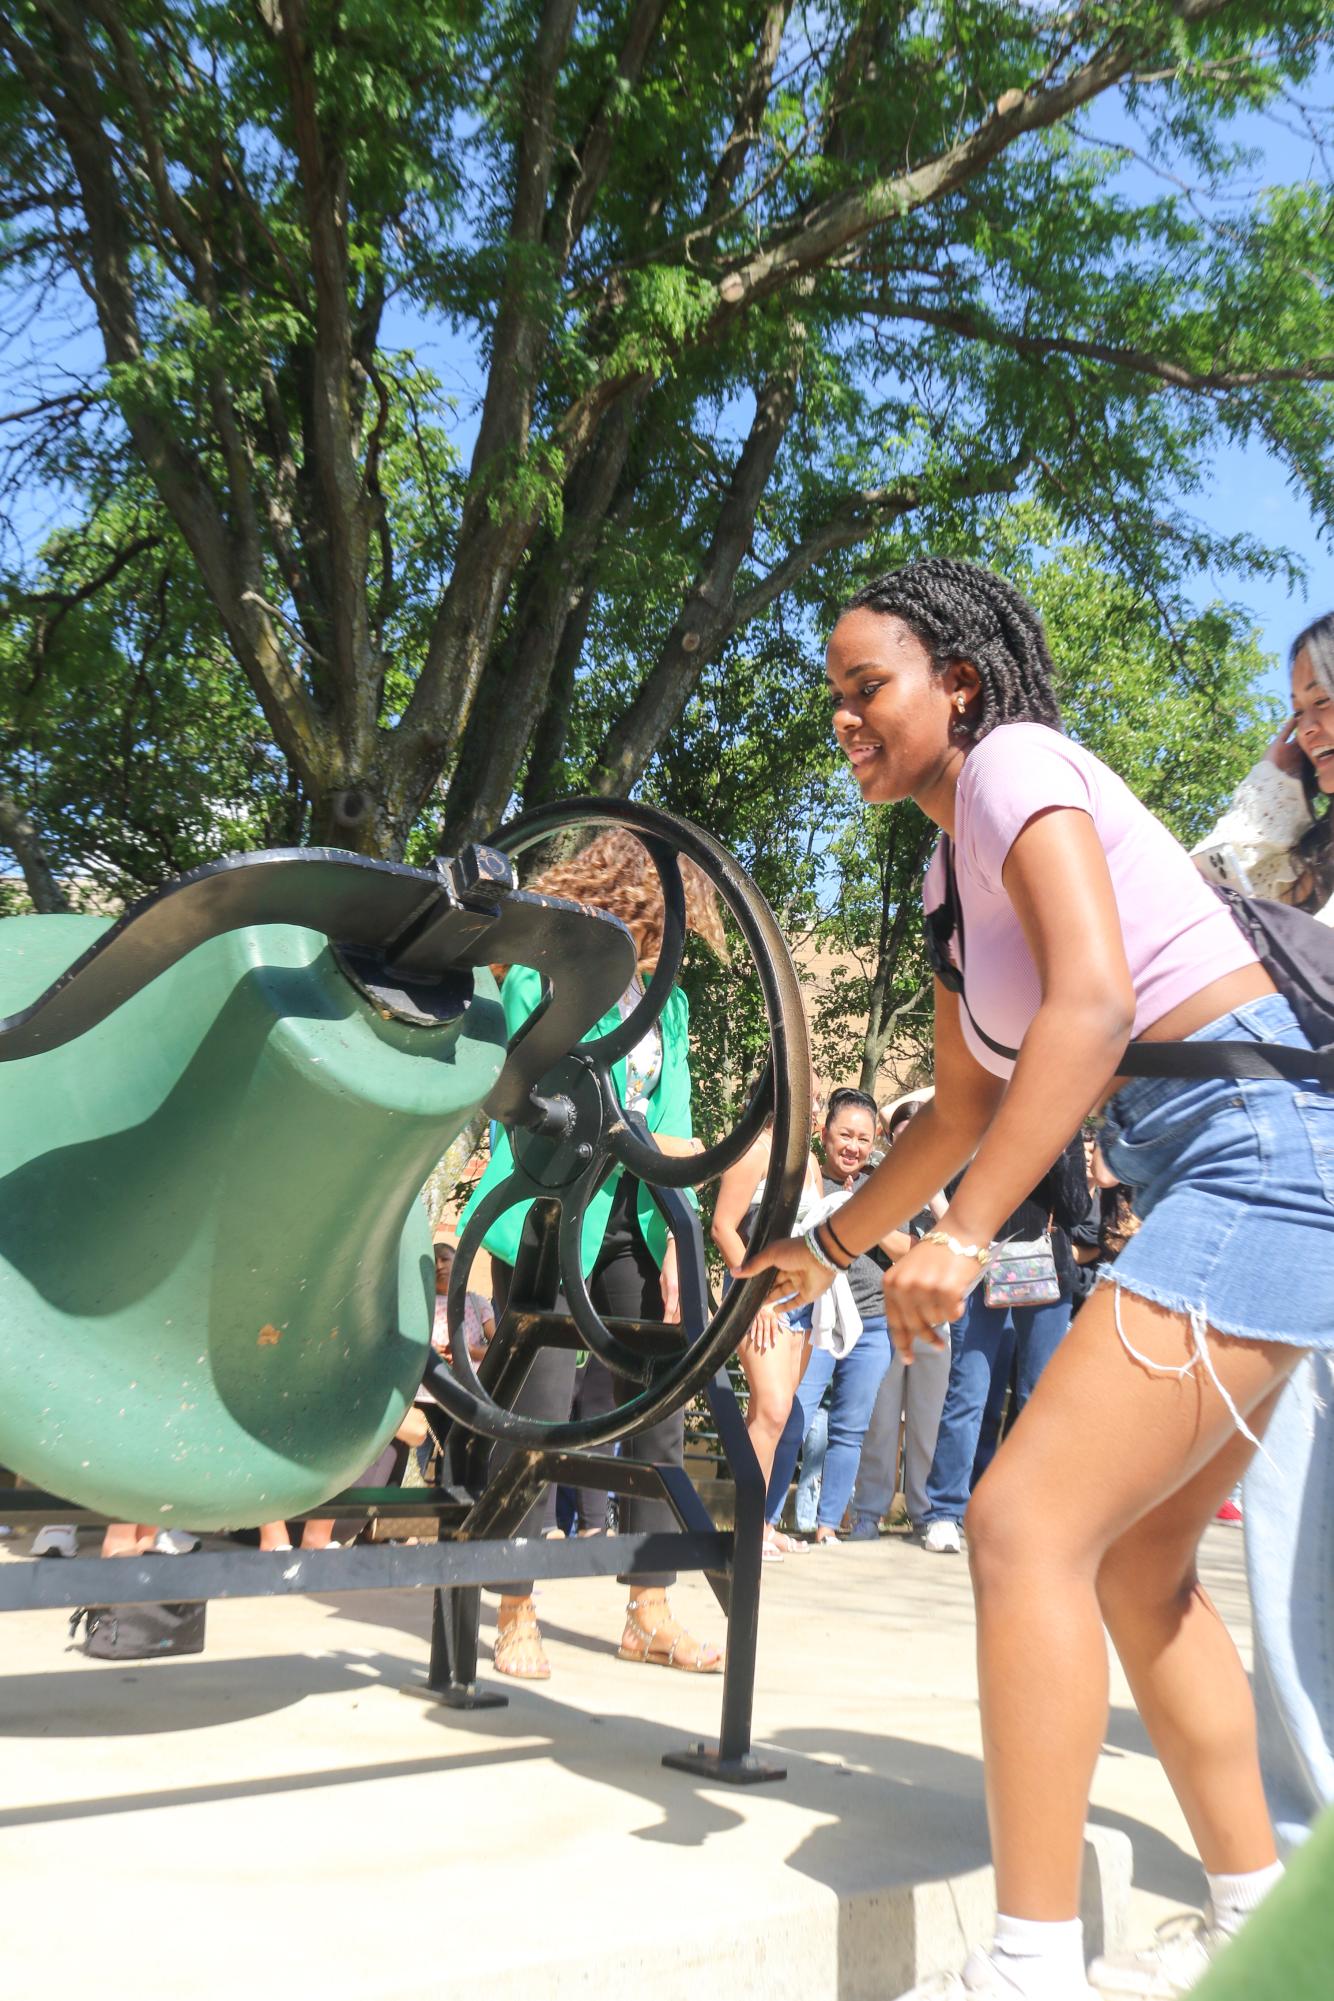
<point x="790" y="1545"/>
<point x="644" y="1647"/>
<point x="518" y="1649"/>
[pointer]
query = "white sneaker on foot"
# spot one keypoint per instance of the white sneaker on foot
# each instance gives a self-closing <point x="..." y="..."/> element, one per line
<point x="1178" y="1959"/>
<point x="942" y="1538"/>
<point x="985" y="1976"/>
<point x="56" y="1539"/>
<point x="175" y="1542"/>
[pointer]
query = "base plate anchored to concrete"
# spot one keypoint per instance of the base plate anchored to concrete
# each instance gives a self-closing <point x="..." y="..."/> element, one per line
<point x="709" y="1764"/>
<point x="470" y="1698"/>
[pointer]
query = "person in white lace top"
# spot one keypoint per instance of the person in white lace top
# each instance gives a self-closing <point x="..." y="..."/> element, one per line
<point x="1274" y="839"/>
<point x="1277" y="839"/>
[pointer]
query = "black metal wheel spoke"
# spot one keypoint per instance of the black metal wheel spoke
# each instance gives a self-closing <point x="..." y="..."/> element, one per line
<point x="647" y="1162"/>
<point x="617" y="1354"/>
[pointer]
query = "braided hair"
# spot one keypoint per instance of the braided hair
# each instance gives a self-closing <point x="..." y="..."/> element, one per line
<point x="960" y="611"/>
<point x="1315" y="850"/>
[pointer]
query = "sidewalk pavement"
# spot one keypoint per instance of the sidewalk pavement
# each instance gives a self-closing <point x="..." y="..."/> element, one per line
<point x="292" y="1814"/>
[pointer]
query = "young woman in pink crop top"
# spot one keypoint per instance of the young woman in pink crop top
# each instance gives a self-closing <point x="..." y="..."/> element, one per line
<point x="1084" y="924"/>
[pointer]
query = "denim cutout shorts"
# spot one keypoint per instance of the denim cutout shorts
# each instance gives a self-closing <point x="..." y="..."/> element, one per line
<point x="1233" y="1181"/>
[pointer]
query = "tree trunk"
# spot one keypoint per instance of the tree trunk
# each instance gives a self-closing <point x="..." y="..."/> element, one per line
<point x="879" y="1040"/>
<point x="18" y="833"/>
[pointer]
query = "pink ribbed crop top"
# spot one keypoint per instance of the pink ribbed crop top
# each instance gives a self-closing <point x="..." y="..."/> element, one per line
<point x="1178" y="936"/>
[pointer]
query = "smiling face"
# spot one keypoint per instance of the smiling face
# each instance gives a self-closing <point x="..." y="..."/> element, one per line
<point x="1313" y="706"/>
<point x="892" y="712"/>
<point x="848" y="1138"/>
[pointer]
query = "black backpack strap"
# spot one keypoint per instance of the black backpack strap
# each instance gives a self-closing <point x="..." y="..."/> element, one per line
<point x="1229" y="1059"/>
<point x="950" y="914"/>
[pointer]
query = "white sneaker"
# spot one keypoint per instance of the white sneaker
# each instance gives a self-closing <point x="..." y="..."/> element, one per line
<point x="56" y="1539"/>
<point x="985" y="1976"/>
<point x="942" y="1538"/>
<point x="1180" y="1956"/>
<point x="175" y="1542"/>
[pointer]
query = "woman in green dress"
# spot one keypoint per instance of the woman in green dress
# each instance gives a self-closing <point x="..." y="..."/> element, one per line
<point x="628" y="1257"/>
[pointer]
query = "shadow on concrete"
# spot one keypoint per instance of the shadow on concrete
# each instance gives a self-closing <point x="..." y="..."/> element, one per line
<point x="235" y="1789"/>
<point x="153" y="1698"/>
<point x="937" y="1797"/>
<point x="888" y="1813"/>
<point x="389" y="1609"/>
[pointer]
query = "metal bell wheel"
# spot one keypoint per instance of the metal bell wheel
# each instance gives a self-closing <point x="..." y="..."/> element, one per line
<point x="571" y="1131"/>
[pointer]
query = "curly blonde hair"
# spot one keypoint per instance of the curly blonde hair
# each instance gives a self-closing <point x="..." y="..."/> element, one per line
<point x="616" y="873"/>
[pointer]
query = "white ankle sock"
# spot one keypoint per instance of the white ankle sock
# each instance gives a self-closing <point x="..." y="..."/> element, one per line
<point x="1233" y="1898"/>
<point x="1042" y="1959"/>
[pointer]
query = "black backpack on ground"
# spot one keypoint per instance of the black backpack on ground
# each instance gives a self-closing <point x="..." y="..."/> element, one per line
<point x="140" y="1632"/>
<point x="1295" y="949"/>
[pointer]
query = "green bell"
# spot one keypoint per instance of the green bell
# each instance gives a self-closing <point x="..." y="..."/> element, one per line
<point x="216" y="1281"/>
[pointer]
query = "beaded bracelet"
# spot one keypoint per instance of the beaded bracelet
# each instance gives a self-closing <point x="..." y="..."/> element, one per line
<point x="982" y="1252"/>
<point x="818" y="1251"/>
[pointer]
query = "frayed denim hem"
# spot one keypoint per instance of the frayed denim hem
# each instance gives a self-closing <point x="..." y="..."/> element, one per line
<point x="1175" y="1302"/>
<point x="1200" y="1325"/>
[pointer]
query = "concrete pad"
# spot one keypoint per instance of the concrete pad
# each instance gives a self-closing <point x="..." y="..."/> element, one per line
<point x="291" y="1812"/>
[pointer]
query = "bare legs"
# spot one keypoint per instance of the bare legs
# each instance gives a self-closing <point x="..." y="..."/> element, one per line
<point x="1094" y="1510"/>
<point x="314" y="1535"/>
<point x="772" y="1373"/>
<point x="127" y="1538"/>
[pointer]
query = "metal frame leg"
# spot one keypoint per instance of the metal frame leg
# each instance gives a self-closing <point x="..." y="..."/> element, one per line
<point x="734" y="1763"/>
<point x="455" y="1616"/>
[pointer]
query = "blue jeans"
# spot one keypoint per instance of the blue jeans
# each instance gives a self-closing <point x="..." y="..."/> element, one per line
<point x="1289" y="1508"/>
<point x="980" y="1342"/>
<point x="806" y="1505"/>
<point x="857" y="1380"/>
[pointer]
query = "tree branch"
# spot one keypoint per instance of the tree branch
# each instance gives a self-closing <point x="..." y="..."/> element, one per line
<point x="67" y="601"/>
<point x="659" y="701"/>
<point x="348" y="645"/>
<point x="708" y="612"/>
<point x="862" y="513"/>
<point x="974" y="326"/>
<point x="749" y="112"/>
<point x="829" y="230"/>
<point x="512" y="692"/>
<point x="69" y="93"/>
<point x="495" y="535"/>
<point x="577" y="190"/>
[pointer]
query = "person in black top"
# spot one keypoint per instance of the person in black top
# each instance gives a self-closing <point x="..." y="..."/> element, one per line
<point x="988" y="1337"/>
<point x="1105" y="1230"/>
